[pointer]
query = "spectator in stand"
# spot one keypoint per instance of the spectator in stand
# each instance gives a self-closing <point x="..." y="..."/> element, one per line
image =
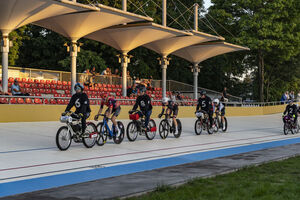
<point x="285" y="97"/>
<point x="16" y="90"/>
<point x="92" y="78"/>
<point x="106" y="72"/>
<point x="224" y="97"/>
<point x="134" y="89"/>
<point x="117" y="73"/>
<point x="128" y="74"/>
<point x="178" y="96"/>
<point x="292" y="96"/>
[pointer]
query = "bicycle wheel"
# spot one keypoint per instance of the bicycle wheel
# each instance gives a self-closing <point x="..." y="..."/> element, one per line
<point x="198" y="127"/>
<point x="216" y="123"/>
<point x="150" y="135"/>
<point x="119" y="138"/>
<point x="285" y="129"/>
<point x="87" y="140"/>
<point x="164" y="128"/>
<point x="63" y="138"/>
<point x="295" y="128"/>
<point x="224" y="125"/>
<point x="177" y="132"/>
<point x="210" y="129"/>
<point x="132" y="131"/>
<point x="102" y="134"/>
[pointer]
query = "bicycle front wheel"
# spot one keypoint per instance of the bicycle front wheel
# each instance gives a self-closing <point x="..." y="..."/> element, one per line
<point x="164" y="128"/>
<point x="132" y="131"/>
<point x="150" y="135"/>
<point x="177" y="132"/>
<point x="224" y="125"/>
<point x="102" y="134"/>
<point x="285" y="129"/>
<point x="63" y="138"/>
<point x="88" y="141"/>
<point x="118" y="138"/>
<point x="198" y="127"/>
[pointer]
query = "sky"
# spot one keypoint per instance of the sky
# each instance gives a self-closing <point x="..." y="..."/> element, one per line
<point x="207" y="3"/>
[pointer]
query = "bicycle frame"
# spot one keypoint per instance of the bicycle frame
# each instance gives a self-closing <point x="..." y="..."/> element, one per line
<point x="107" y="126"/>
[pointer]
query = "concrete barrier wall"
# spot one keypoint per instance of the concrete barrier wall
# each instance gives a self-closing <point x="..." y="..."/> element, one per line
<point x="35" y="113"/>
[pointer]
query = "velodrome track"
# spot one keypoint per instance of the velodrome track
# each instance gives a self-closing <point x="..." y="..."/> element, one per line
<point x="30" y="160"/>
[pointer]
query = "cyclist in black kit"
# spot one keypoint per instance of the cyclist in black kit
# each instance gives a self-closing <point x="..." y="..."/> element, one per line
<point x="81" y="102"/>
<point x="204" y="102"/>
<point x="144" y="102"/>
<point x="291" y="110"/>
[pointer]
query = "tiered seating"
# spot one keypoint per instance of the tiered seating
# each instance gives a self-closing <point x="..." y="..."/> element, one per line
<point x="58" y="92"/>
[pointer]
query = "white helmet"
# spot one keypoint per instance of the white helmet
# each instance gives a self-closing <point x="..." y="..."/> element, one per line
<point x="216" y="101"/>
<point x="165" y="100"/>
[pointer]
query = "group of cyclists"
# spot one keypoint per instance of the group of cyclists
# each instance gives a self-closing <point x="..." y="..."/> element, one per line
<point x="143" y="102"/>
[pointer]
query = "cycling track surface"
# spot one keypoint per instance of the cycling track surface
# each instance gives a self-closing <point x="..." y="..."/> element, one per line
<point x="30" y="160"/>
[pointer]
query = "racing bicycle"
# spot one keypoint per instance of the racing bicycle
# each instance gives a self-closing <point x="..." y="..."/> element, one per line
<point x="167" y="126"/>
<point x="217" y="120"/>
<point x="202" y="123"/>
<point x="289" y="125"/>
<point x="105" y="132"/>
<point x="73" y="131"/>
<point x="136" y="127"/>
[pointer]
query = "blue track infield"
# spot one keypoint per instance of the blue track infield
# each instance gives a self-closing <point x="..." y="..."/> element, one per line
<point x="35" y="184"/>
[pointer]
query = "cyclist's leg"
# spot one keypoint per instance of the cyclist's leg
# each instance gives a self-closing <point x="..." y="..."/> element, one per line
<point x="116" y="113"/>
<point x="83" y="122"/>
<point x="175" y="113"/>
<point x="223" y="115"/>
<point x="147" y="117"/>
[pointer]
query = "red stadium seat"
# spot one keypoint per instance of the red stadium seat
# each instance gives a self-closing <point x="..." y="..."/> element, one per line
<point x="3" y="100"/>
<point x="65" y="83"/>
<point x="36" y="81"/>
<point x="59" y="87"/>
<point x="53" y="82"/>
<point x="47" y="86"/>
<point x="13" y="100"/>
<point x="38" y="94"/>
<point x="28" y="101"/>
<point x="65" y="87"/>
<point x="59" y="83"/>
<point x="53" y="86"/>
<point x="42" y="81"/>
<point x="48" y="91"/>
<point x="53" y="101"/>
<point x="46" y="101"/>
<point x="41" y="86"/>
<point x="42" y="91"/>
<point x="48" y="82"/>
<point x="69" y="95"/>
<point x="56" y="95"/>
<point x="63" y="95"/>
<point x="30" y="80"/>
<point x="37" y="101"/>
<point x="53" y="91"/>
<point x="69" y="83"/>
<point x="24" y="80"/>
<point x="11" y="80"/>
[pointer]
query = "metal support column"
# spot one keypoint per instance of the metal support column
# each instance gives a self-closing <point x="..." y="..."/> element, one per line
<point x="124" y="5"/>
<point x="124" y="59"/>
<point x="5" y="51"/>
<point x="164" y="12"/>
<point x="195" y="71"/>
<point x="196" y="16"/>
<point x="164" y="62"/>
<point x="73" y="54"/>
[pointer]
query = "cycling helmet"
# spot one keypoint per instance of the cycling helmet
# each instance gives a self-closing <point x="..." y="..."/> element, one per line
<point x="216" y="101"/>
<point x="165" y="100"/>
<point x="289" y="101"/>
<point x="143" y="89"/>
<point x="78" y="85"/>
<point x="203" y="92"/>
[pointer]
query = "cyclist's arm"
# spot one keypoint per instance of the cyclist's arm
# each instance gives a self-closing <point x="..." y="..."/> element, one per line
<point x="136" y="104"/>
<point x="286" y="109"/>
<point x="71" y="104"/>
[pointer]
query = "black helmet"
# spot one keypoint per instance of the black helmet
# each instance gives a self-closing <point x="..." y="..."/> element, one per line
<point x="202" y="92"/>
<point x="143" y="89"/>
<point x="78" y="85"/>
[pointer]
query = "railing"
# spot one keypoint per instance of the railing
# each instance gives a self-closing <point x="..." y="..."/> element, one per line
<point x="124" y="101"/>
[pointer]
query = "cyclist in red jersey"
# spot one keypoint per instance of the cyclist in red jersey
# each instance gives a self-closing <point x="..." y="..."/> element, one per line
<point x="113" y="108"/>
